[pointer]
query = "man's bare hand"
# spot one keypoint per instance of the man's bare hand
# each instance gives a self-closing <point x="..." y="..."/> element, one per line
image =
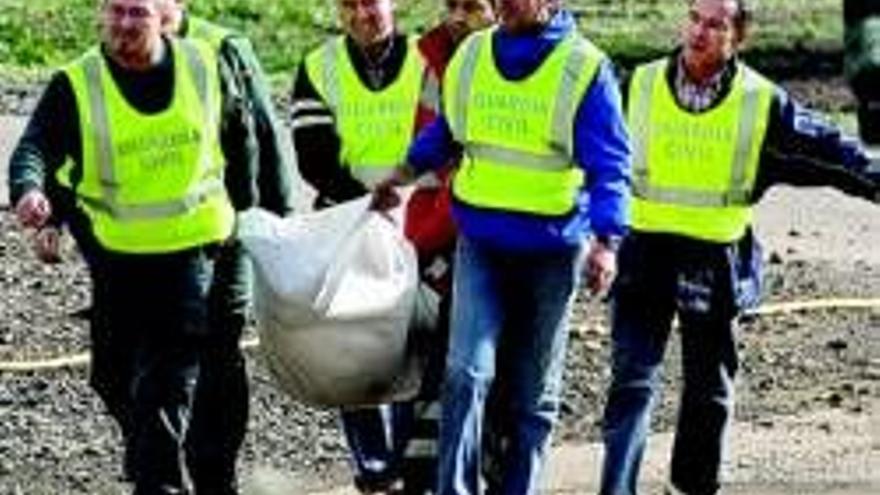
<point x="33" y="209"/>
<point x="47" y="244"/>
<point x="385" y="197"/>
<point x="601" y="267"/>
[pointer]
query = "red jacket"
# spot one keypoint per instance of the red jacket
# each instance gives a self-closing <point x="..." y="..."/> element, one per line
<point x="429" y="222"/>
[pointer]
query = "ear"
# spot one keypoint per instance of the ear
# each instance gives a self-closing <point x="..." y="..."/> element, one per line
<point x="742" y="34"/>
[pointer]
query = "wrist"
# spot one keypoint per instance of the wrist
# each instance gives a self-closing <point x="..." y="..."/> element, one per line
<point x="404" y="174"/>
<point x="609" y="241"/>
<point x="26" y="190"/>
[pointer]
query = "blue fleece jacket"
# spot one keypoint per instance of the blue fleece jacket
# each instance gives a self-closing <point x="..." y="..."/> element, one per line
<point x="601" y="149"/>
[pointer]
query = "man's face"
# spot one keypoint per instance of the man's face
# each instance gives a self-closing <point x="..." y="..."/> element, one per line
<point x="466" y="16"/>
<point x="130" y="29"/>
<point x="519" y="15"/>
<point x="367" y="21"/>
<point x="710" y="35"/>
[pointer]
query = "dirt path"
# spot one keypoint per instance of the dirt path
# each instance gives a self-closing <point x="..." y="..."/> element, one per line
<point x="10" y="129"/>
<point x="808" y="420"/>
<point x="819" y="224"/>
<point x="828" y="453"/>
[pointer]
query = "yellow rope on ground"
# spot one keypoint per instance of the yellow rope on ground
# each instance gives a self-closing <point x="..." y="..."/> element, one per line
<point x="811" y="305"/>
<point x="82" y="359"/>
<point x="72" y="361"/>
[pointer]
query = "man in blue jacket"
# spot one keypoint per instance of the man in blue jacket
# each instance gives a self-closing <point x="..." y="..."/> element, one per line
<point x="534" y="109"/>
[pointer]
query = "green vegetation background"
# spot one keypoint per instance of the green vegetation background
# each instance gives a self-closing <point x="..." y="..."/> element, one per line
<point x="36" y="35"/>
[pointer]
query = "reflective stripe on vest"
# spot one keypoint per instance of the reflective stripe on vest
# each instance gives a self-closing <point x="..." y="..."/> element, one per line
<point x="693" y="174"/>
<point x="152" y="183"/>
<point x="518" y="135"/>
<point x="375" y="127"/>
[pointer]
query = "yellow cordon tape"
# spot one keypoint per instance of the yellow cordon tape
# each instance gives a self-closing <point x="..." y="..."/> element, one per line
<point x="72" y="361"/>
<point x="82" y="359"/>
<point x="797" y="306"/>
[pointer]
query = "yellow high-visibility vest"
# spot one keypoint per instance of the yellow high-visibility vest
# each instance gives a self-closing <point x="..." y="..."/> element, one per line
<point x="694" y="173"/>
<point x="152" y="183"/>
<point x="374" y="127"/>
<point x="518" y="135"/>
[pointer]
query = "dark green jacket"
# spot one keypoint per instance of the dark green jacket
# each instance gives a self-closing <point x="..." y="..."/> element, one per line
<point x="273" y="148"/>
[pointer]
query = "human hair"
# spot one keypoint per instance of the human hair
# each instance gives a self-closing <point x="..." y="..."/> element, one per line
<point x="744" y="14"/>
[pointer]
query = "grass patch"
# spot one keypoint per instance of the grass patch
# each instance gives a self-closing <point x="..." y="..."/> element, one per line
<point x="47" y="33"/>
<point x="40" y="34"/>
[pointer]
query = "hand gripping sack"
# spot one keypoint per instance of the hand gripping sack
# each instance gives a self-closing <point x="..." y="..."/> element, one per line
<point x="334" y="295"/>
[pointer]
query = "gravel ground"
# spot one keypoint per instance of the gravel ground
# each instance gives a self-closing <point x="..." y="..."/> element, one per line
<point x="18" y="99"/>
<point x="791" y="364"/>
<point x="54" y="438"/>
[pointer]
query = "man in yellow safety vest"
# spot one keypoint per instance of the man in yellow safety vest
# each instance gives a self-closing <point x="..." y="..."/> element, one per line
<point x="355" y="107"/>
<point x="540" y="192"/>
<point x="709" y="136"/>
<point x="138" y="149"/>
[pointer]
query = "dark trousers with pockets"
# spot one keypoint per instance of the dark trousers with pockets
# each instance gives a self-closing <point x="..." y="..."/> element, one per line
<point x="167" y="365"/>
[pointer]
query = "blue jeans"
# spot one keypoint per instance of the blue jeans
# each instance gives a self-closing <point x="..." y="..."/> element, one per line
<point x="394" y="441"/>
<point x="651" y="289"/>
<point x="512" y="307"/>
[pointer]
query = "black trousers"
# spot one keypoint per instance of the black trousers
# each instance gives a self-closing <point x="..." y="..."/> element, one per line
<point x="167" y="364"/>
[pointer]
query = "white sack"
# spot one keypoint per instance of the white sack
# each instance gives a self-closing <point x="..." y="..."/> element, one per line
<point x="334" y="294"/>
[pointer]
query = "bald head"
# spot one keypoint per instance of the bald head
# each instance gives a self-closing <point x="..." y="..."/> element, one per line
<point x="367" y="22"/>
<point x="465" y="16"/>
<point x="156" y="3"/>
<point x="524" y="15"/>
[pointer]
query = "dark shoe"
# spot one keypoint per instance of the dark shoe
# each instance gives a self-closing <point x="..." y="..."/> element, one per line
<point x="392" y="486"/>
